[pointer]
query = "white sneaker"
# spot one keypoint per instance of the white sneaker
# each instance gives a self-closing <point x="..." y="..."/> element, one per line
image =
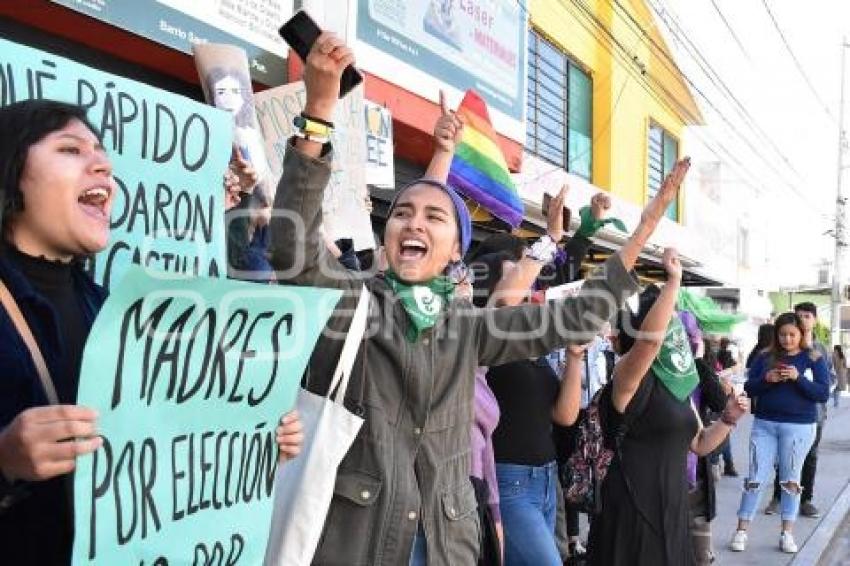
<point x="786" y="543"/>
<point x="739" y="541"/>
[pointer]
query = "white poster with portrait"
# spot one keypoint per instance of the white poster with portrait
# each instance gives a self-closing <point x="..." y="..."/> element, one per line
<point x="226" y="82"/>
<point x="346" y="207"/>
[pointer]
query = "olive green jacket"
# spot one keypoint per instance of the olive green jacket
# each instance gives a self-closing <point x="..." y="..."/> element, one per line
<point x="410" y="462"/>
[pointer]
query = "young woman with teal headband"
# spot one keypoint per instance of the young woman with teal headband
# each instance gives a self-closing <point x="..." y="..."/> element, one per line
<point x="403" y="492"/>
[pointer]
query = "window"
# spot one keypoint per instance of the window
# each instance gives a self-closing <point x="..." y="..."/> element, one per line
<point x="560" y="103"/>
<point x="663" y="153"/>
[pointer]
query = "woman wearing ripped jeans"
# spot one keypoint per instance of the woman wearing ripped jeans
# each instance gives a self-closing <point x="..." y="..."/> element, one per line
<point x="788" y="380"/>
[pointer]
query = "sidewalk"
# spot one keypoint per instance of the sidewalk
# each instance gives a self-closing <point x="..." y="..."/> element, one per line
<point x="832" y="477"/>
<point x="838" y="553"/>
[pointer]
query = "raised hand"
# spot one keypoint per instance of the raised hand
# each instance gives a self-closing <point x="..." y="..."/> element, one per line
<point x="448" y="131"/>
<point x="240" y="177"/>
<point x="325" y="63"/>
<point x="599" y="205"/>
<point x="737" y="407"/>
<point x="672" y="265"/>
<point x="244" y="171"/>
<point x="555" y="216"/>
<point x="44" y="442"/>
<point x="232" y="189"/>
<point x="654" y="211"/>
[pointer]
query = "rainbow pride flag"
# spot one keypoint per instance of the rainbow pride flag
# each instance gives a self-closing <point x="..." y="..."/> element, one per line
<point x="479" y="170"/>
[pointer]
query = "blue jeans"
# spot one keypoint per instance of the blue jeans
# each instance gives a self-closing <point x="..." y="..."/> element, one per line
<point x="419" y="552"/>
<point x="770" y="443"/>
<point x="527" y="500"/>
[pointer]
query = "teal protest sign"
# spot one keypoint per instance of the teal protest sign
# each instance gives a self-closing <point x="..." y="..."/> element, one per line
<point x="189" y="377"/>
<point x="168" y="155"/>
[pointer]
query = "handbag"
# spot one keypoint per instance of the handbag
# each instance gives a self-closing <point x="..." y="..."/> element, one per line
<point x="304" y="486"/>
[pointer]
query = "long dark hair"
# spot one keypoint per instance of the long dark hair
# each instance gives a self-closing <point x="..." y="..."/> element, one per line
<point x="22" y="125"/>
<point x="487" y="261"/>
<point x="487" y="272"/>
<point x="629" y="323"/>
<point x="763" y="343"/>
<point x="783" y="320"/>
<point x="765" y="336"/>
<point x="839" y="351"/>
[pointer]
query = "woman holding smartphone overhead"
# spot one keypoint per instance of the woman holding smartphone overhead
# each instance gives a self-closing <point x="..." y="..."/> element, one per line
<point x="402" y="493"/>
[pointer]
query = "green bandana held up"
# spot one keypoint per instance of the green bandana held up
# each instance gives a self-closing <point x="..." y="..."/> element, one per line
<point x="590" y="225"/>
<point x="674" y="364"/>
<point x="423" y="302"/>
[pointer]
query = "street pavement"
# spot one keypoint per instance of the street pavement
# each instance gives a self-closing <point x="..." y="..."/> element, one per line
<point x="831" y="480"/>
<point x="838" y="553"/>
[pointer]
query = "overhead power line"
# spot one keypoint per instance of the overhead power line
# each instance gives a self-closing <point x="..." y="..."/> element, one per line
<point x="583" y="16"/>
<point x="683" y="37"/>
<point x="666" y="100"/>
<point x="672" y="66"/>
<point x="730" y="30"/>
<point x="718" y="82"/>
<point x="797" y="62"/>
<point x="660" y="86"/>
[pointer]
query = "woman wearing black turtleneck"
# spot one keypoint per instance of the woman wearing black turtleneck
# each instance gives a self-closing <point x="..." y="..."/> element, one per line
<point x="56" y="190"/>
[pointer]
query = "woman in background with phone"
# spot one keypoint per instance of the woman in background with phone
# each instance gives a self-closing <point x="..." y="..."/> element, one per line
<point x="787" y="381"/>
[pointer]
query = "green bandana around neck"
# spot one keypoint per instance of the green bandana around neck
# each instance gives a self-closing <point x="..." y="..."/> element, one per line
<point x="674" y="364"/>
<point x="423" y="302"/>
<point x="590" y="225"/>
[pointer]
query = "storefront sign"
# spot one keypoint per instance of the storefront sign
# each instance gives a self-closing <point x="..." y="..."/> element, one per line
<point x="179" y="24"/>
<point x="168" y="155"/>
<point x="190" y="378"/>
<point x="465" y="44"/>
<point x="380" y="170"/>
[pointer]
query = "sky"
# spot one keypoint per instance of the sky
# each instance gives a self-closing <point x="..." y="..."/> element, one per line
<point x="798" y="137"/>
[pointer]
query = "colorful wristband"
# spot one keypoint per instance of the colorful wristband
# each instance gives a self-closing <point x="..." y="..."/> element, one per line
<point x="312" y="137"/>
<point x="310" y="126"/>
<point x="319" y="120"/>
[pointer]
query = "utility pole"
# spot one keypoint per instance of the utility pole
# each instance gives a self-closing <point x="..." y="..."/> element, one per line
<point x="840" y="203"/>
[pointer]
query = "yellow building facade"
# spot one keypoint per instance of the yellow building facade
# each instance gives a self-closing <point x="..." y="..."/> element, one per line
<point x="640" y="101"/>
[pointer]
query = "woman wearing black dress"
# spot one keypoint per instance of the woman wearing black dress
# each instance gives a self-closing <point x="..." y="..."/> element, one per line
<point x="651" y="424"/>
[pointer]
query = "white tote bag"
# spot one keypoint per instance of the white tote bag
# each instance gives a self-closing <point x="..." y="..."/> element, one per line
<point x="305" y="485"/>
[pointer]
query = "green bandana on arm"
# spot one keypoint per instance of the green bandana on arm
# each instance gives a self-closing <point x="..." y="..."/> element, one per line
<point x="423" y="302"/>
<point x="674" y="365"/>
<point x="590" y="225"/>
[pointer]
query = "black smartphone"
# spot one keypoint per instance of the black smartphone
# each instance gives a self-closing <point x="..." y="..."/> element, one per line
<point x="301" y="32"/>
<point x="546" y="199"/>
